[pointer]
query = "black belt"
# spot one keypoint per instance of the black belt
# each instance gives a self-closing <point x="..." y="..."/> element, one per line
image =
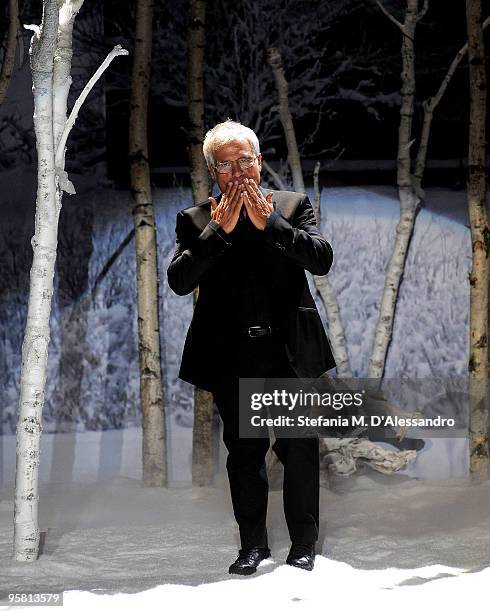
<point x="258" y="331"/>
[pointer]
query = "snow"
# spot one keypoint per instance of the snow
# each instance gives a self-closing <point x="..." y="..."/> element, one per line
<point x="430" y="335"/>
<point x="385" y="543"/>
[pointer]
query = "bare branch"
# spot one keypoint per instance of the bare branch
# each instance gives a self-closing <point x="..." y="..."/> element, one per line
<point x="424" y="10"/>
<point x="430" y="105"/>
<point x="118" y="50"/>
<point x="275" y="176"/>
<point x="108" y="265"/>
<point x="390" y="16"/>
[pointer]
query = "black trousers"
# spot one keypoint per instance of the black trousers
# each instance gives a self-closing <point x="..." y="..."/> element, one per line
<point x="257" y="358"/>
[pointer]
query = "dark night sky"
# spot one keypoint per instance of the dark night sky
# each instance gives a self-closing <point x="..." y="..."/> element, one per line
<point x="362" y="136"/>
<point x="359" y="133"/>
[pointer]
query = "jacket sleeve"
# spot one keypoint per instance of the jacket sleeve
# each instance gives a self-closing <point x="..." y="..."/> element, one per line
<point x="194" y="257"/>
<point x="300" y="240"/>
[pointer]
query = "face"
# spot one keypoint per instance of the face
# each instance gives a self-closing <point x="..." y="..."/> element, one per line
<point x="232" y="152"/>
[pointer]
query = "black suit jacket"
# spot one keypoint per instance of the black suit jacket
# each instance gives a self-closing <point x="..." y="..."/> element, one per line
<point x="202" y="258"/>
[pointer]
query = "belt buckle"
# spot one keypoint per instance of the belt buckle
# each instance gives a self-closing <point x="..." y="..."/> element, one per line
<point x="257" y="331"/>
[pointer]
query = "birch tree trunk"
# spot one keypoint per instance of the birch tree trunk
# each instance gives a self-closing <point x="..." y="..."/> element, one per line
<point x="329" y="299"/>
<point x="36" y="336"/>
<point x="202" y="433"/>
<point x="195" y="99"/>
<point x="429" y="106"/>
<point x="480" y="239"/>
<point x="61" y="88"/>
<point x="10" y="46"/>
<point x="275" y="62"/>
<point x="52" y="131"/>
<point x="336" y="454"/>
<point x="322" y="284"/>
<point x="406" y="192"/>
<point x="151" y="387"/>
<point x="410" y="189"/>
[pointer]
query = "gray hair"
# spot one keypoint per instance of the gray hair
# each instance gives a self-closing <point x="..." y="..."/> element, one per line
<point x="226" y="132"/>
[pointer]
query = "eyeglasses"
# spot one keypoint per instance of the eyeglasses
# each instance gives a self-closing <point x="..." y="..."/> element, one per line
<point x="226" y="166"/>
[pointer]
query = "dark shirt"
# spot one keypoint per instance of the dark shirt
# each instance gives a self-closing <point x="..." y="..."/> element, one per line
<point x="251" y="285"/>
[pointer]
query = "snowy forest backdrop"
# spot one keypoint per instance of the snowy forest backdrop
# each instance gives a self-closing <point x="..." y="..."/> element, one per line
<point x="343" y="63"/>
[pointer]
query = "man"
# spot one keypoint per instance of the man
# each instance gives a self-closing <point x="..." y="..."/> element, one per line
<point x="248" y="250"/>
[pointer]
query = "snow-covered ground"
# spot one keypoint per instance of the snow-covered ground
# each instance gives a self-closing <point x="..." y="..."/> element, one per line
<point x="386" y="543"/>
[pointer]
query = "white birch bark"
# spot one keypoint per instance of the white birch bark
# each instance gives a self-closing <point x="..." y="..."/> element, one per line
<point x="429" y="106"/>
<point x="409" y="185"/>
<point x="280" y="184"/>
<point x="322" y="284"/>
<point x="10" y="46"/>
<point x="275" y="62"/>
<point x="62" y="65"/>
<point x="329" y="299"/>
<point x="36" y="337"/>
<point x="480" y="242"/>
<point x="408" y="197"/>
<point x="48" y="127"/>
<point x="151" y="385"/>
<point x="195" y="96"/>
<point x="71" y="357"/>
<point x="202" y="432"/>
<point x="353" y="449"/>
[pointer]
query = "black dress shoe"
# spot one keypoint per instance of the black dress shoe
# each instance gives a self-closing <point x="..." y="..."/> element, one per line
<point x="302" y="556"/>
<point x="248" y="560"/>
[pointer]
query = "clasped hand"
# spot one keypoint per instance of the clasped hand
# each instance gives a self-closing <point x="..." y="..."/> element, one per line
<point x="227" y="212"/>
